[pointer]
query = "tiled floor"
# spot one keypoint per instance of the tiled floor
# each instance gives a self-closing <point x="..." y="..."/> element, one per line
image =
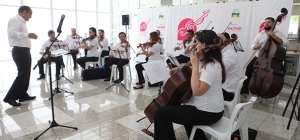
<point x="110" y="114"/>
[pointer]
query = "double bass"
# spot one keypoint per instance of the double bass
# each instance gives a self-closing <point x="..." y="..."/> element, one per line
<point x="267" y="78"/>
<point x="177" y="89"/>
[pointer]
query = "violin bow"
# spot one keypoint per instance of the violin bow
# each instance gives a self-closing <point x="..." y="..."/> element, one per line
<point x="226" y="27"/>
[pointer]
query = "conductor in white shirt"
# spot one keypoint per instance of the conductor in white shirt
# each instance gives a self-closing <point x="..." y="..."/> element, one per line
<point x="58" y="60"/>
<point x="19" y="39"/>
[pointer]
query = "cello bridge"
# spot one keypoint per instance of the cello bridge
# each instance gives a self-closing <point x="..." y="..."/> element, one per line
<point x="260" y="67"/>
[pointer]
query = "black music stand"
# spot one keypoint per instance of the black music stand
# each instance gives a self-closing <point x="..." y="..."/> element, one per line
<point x="53" y="123"/>
<point x="293" y="103"/>
<point x="118" y="52"/>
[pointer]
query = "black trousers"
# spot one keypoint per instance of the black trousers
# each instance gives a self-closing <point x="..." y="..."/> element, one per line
<point x="22" y="58"/>
<point x="81" y="61"/>
<point x="119" y="62"/>
<point x="85" y="52"/>
<point x="185" y="115"/>
<point x="139" y="69"/>
<point x="248" y="73"/>
<point x="74" y="56"/>
<point x="228" y="96"/>
<point x="104" y="53"/>
<point x="58" y="61"/>
<point x="181" y="59"/>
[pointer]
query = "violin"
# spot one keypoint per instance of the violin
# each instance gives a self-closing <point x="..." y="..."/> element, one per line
<point x="147" y="44"/>
<point x="88" y="38"/>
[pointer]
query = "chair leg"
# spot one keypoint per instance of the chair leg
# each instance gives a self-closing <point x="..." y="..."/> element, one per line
<point x="244" y="132"/>
<point x="193" y="133"/>
<point x="230" y="110"/>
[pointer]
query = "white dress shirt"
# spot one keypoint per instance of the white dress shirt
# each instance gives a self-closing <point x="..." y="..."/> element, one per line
<point x="119" y="46"/>
<point x="231" y="63"/>
<point x="104" y="43"/>
<point x="17" y="32"/>
<point x="47" y="44"/>
<point x="187" y="44"/>
<point x="72" y="43"/>
<point x="262" y="37"/>
<point x="212" y="100"/>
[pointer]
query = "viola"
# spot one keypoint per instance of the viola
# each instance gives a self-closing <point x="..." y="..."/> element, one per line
<point x="177" y="89"/>
<point x="151" y="43"/>
<point x="267" y="78"/>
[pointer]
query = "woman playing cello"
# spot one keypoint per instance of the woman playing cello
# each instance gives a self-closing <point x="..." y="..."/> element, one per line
<point x="206" y="106"/>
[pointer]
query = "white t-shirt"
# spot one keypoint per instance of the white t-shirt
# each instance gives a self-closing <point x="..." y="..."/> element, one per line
<point x="262" y="37"/>
<point x="93" y="52"/>
<point x="72" y="43"/>
<point x="46" y="44"/>
<point x="104" y="43"/>
<point x="156" y="52"/>
<point x="231" y="63"/>
<point x="212" y="100"/>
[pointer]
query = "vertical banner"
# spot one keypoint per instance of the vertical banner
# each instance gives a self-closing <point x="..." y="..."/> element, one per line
<point x="235" y="20"/>
<point x="145" y="26"/>
<point x="179" y="21"/>
<point x="206" y="16"/>
<point x="159" y="16"/>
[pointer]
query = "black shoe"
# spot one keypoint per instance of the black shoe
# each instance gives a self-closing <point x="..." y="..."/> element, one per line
<point x="26" y="99"/>
<point x="12" y="102"/>
<point x="107" y="79"/>
<point x="139" y="87"/>
<point x="42" y="76"/>
<point x="118" y="81"/>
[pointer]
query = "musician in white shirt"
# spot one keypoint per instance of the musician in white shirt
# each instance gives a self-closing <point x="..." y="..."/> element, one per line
<point x="119" y="55"/>
<point x="153" y="53"/>
<point x="231" y="63"/>
<point x="73" y="40"/>
<point x="257" y="44"/>
<point x="91" y="44"/>
<point x="58" y="60"/>
<point x="103" y="43"/>
<point x="188" y="46"/>
<point x="19" y="39"/>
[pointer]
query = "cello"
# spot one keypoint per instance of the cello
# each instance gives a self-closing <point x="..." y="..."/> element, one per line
<point x="177" y="89"/>
<point x="267" y="77"/>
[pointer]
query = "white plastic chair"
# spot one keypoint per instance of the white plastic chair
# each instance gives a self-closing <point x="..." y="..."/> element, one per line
<point x="223" y="129"/>
<point x="94" y="63"/>
<point x="114" y="71"/>
<point x="69" y="58"/>
<point x="146" y="79"/>
<point x="236" y="99"/>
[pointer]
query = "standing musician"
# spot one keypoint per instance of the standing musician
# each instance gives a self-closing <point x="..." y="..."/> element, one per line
<point x="103" y="43"/>
<point x="19" y="39"/>
<point x="58" y="60"/>
<point x="206" y="106"/>
<point x="257" y="43"/>
<point x="153" y="54"/>
<point x="187" y="44"/>
<point x="91" y="44"/>
<point x="73" y="41"/>
<point x="231" y="63"/>
<point x="120" y="62"/>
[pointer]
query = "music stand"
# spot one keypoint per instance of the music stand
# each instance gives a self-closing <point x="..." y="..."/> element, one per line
<point x="117" y="52"/>
<point x="173" y="59"/>
<point x="293" y="103"/>
<point x="53" y="123"/>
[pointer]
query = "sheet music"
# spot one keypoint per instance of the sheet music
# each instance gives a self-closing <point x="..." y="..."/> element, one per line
<point x="156" y="71"/>
<point x="59" y="52"/>
<point x="173" y="59"/>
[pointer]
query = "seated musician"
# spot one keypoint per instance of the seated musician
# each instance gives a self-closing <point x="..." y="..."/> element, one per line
<point x="119" y="55"/>
<point x="160" y="41"/>
<point x="73" y="41"/>
<point x="187" y="45"/>
<point x="153" y="53"/>
<point x="103" y="43"/>
<point x="206" y="106"/>
<point x="91" y="44"/>
<point x="231" y="64"/>
<point x="58" y="60"/>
